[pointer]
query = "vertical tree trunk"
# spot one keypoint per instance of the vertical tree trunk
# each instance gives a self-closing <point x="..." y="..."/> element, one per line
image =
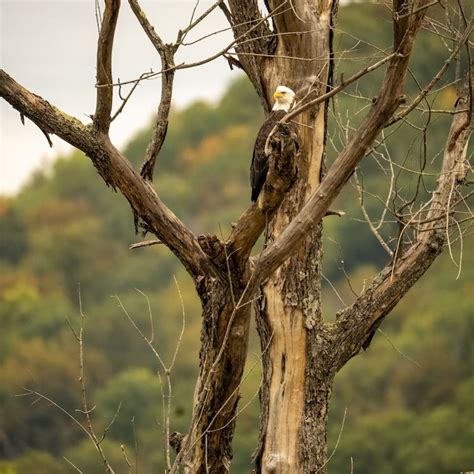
<point x="224" y="339"/>
<point x="296" y="389"/>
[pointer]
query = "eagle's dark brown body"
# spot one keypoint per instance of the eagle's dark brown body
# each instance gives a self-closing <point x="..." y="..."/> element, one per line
<point x="259" y="166"/>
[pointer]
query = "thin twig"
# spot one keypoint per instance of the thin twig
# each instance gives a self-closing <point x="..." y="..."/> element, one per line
<point x="435" y="79"/>
<point x="150" y="314"/>
<point x="139" y="331"/>
<point x="413" y="361"/>
<point x="72" y="464"/>
<point x="337" y="442"/>
<point x="146" y="243"/>
<point x="126" y="99"/>
<point x="183" y="327"/>
<point x="375" y="232"/>
<point x="127" y="462"/>
<point x="182" y="33"/>
<point x="86" y="411"/>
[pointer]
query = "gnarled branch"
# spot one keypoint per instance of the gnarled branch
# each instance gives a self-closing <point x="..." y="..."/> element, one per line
<point x="356" y="324"/>
<point x="116" y="172"/>
<point x="160" y="125"/>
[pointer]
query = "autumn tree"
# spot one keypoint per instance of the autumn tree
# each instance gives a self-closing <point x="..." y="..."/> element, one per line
<point x="291" y="44"/>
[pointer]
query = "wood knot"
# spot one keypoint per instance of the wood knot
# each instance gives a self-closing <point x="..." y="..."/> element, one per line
<point x="212" y="246"/>
<point x="176" y="441"/>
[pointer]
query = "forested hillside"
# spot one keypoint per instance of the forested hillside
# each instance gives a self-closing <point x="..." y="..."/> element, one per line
<point x="405" y="406"/>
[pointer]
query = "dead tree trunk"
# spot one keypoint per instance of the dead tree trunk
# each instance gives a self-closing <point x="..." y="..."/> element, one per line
<point x="295" y="392"/>
<point x="298" y="348"/>
<point x="301" y="352"/>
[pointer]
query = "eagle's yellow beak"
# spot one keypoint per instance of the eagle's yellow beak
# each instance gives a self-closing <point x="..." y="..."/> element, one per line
<point x="277" y="95"/>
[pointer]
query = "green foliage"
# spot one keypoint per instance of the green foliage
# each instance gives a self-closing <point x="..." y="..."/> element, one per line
<point x="84" y="455"/>
<point x="66" y="228"/>
<point x="14" y="242"/>
<point x="38" y="462"/>
<point x="137" y="393"/>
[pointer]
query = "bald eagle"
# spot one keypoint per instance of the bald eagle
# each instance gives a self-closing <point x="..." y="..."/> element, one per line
<point x="284" y="98"/>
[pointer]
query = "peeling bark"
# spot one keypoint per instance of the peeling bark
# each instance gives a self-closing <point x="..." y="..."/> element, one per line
<point x="289" y="319"/>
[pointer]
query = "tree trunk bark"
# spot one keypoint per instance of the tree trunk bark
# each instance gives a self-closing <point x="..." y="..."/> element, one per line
<point x="224" y="340"/>
<point x="296" y="388"/>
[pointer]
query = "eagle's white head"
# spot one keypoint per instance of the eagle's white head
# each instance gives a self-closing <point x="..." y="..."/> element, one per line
<point x="284" y="98"/>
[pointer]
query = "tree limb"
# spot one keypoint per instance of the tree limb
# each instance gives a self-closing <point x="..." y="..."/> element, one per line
<point x="102" y="117"/>
<point x="116" y="171"/>
<point x="46" y="116"/>
<point x="182" y="33"/>
<point x="160" y="125"/>
<point x="341" y="170"/>
<point x="356" y="324"/>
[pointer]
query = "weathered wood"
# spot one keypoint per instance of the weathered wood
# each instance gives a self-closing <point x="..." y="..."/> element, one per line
<point x="102" y="116"/>
<point x="208" y="445"/>
<point x="289" y="311"/>
<point x="257" y="44"/>
<point x="116" y="171"/>
<point x="356" y="324"/>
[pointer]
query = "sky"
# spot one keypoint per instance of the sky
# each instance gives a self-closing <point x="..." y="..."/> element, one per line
<point x="49" y="48"/>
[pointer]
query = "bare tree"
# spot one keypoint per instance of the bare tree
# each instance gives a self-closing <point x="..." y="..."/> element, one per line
<point x="291" y="45"/>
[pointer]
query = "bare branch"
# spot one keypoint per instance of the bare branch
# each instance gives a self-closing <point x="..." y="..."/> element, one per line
<point x="360" y="191"/>
<point x="41" y="396"/>
<point x="371" y="307"/>
<point x="125" y="458"/>
<point x="72" y="464"/>
<point x="47" y="117"/>
<point x="102" y="117"/>
<point x="435" y="78"/>
<point x="127" y="98"/>
<point x="313" y="211"/>
<point x="419" y="9"/>
<point x="182" y="33"/>
<point x="160" y="125"/>
<point x="146" y="243"/>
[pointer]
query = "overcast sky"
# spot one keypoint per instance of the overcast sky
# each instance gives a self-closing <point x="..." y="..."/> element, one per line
<point x="49" y="47"/>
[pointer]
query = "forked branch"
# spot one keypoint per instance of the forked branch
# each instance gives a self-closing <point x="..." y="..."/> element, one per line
<point x="356" y="324"/>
